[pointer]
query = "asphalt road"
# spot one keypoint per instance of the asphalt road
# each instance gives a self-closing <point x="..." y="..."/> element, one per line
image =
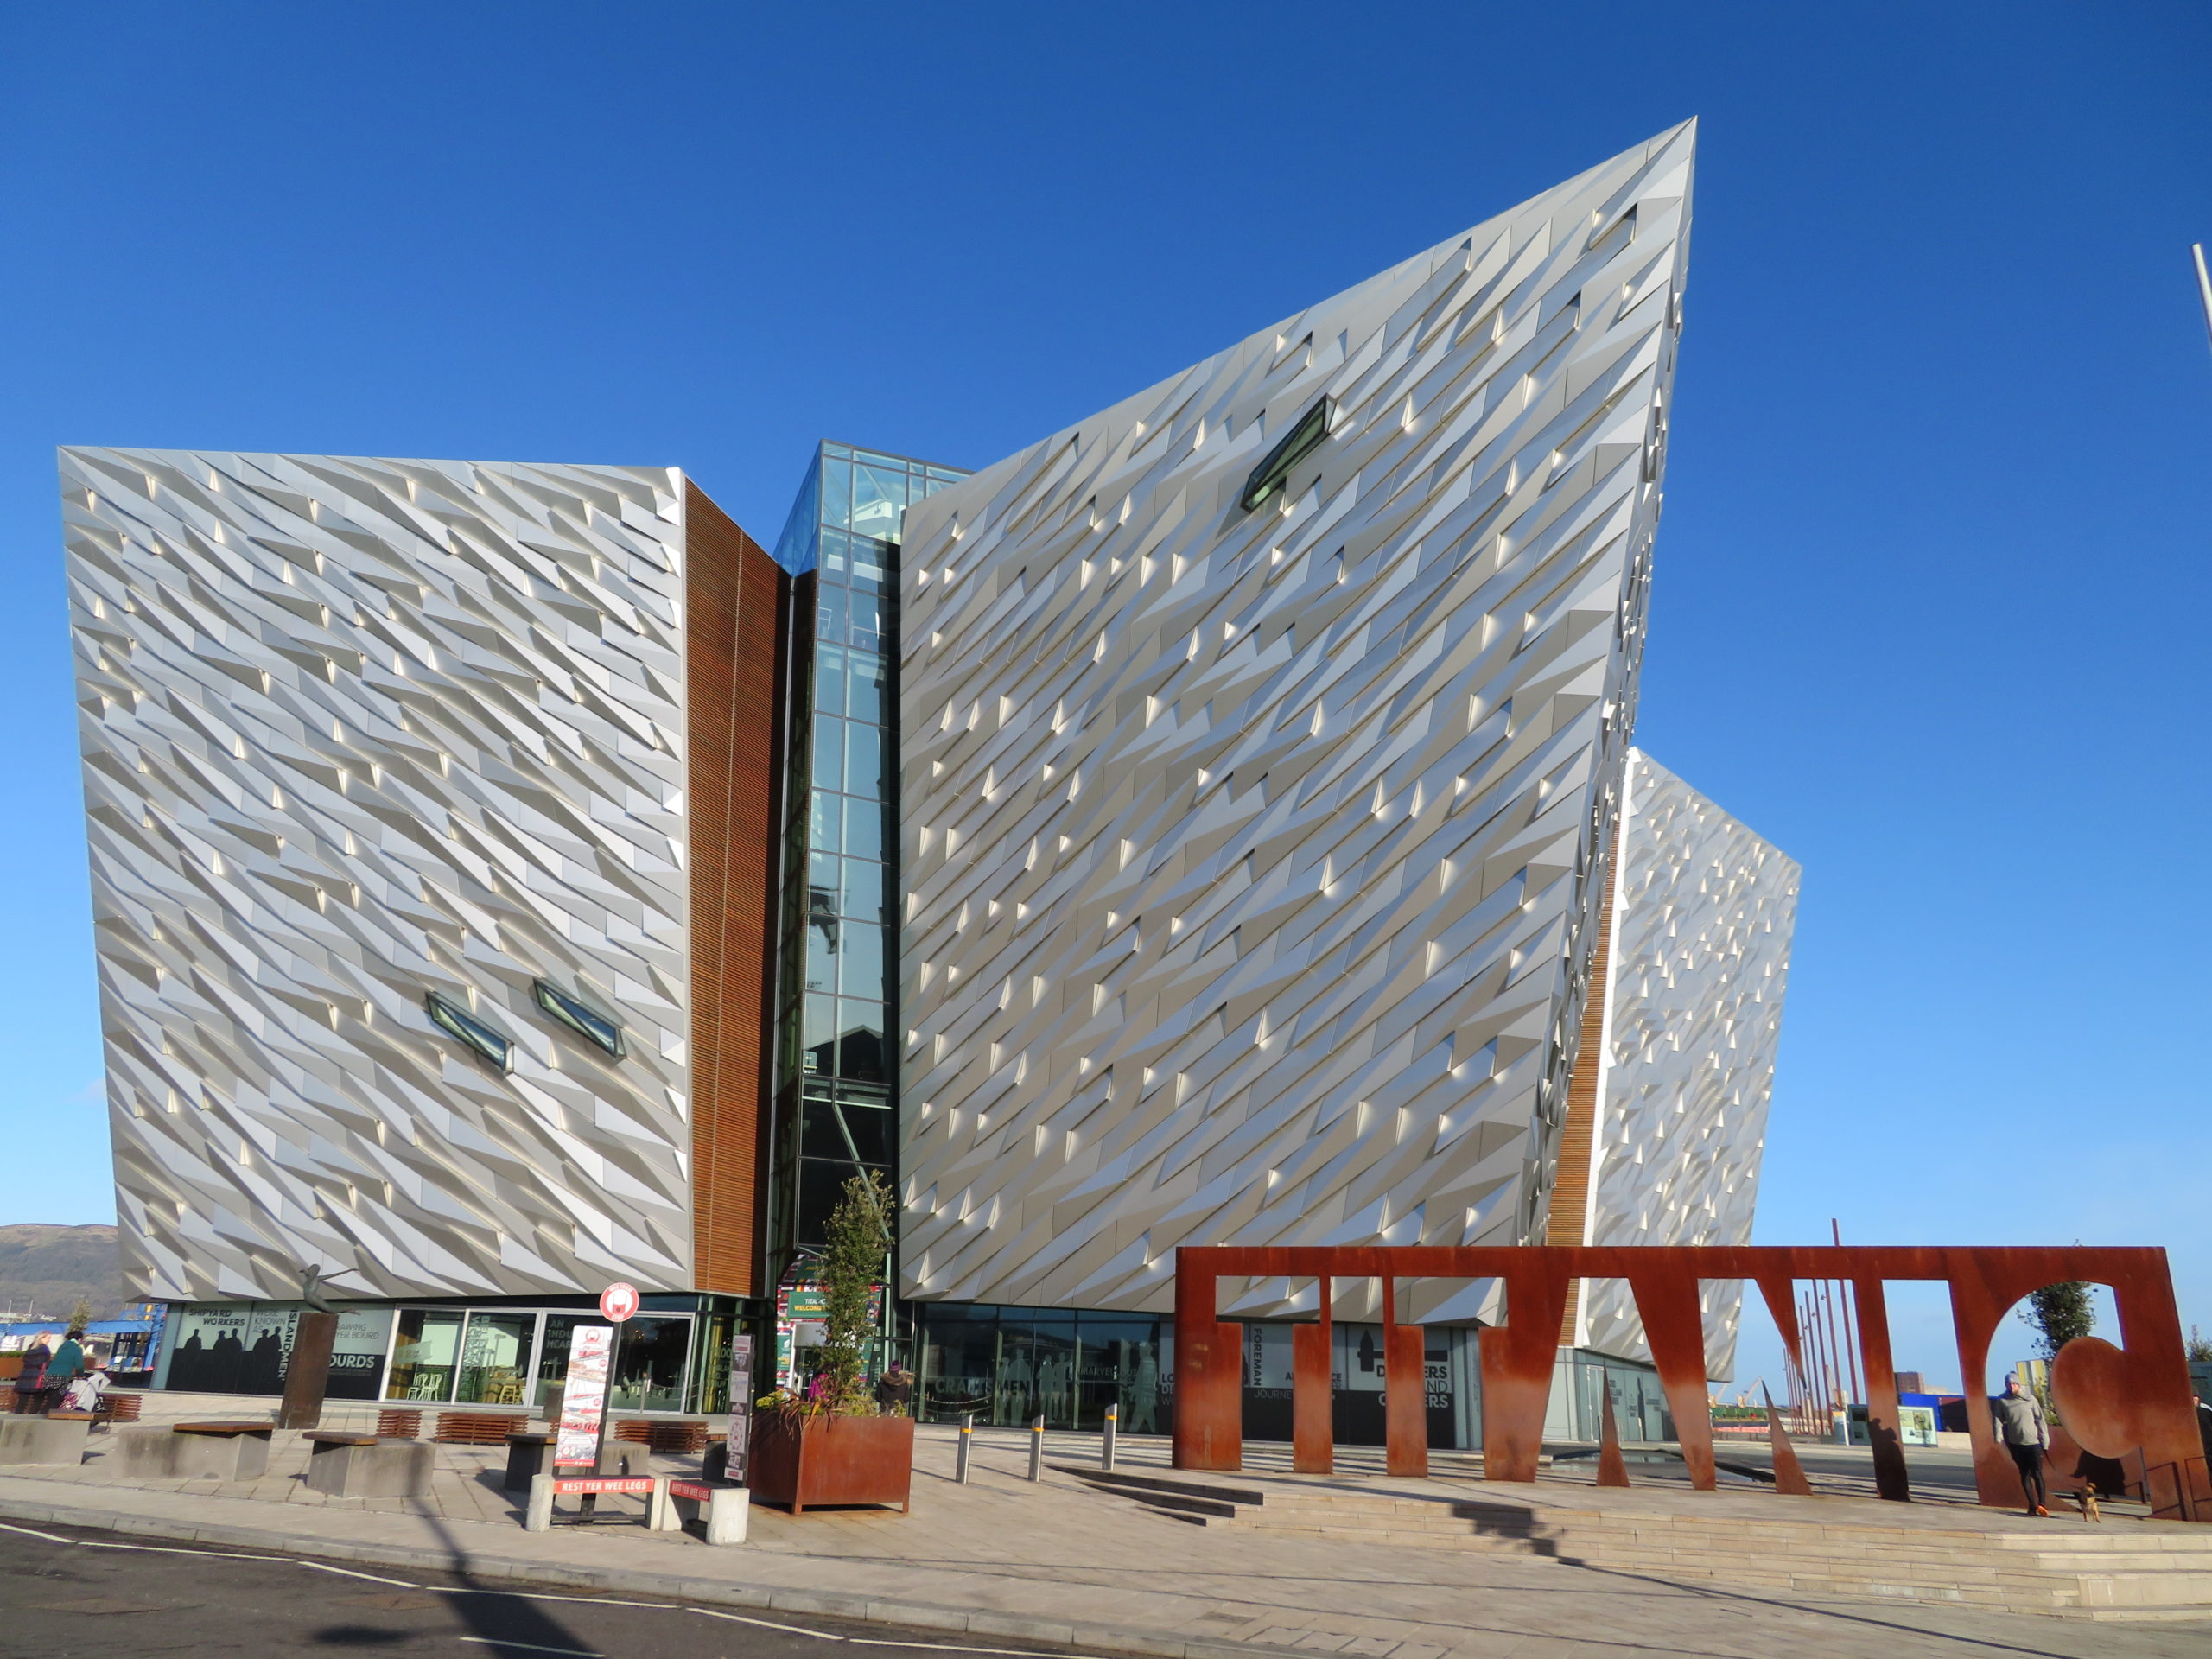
<point x="92" y="1599"/>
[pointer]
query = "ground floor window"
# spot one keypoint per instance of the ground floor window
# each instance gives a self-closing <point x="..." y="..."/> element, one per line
<point x="1009" y="1365"/>
<point x="666" y="1359"/>
<point x="246" y="1347"/>
<point x="478" y="1356"/>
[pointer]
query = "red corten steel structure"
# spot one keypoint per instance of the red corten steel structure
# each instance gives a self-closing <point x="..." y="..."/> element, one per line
<point x="2118" y="1402"/>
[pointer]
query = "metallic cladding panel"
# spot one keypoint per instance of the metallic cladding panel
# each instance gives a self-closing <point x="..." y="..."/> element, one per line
<point x="355" y="731"/>
<point x="1705" y="909"/>
<point x="1251" y="856"/>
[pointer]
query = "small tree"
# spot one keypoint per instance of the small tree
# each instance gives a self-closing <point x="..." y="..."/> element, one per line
<point x="2058" y="1313"/>
<point x="859" y="1241"/>
<point x="2200" y="1347"/>
<point x="80" y="1315"/>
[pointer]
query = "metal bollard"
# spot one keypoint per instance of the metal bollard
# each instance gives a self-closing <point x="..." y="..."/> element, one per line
<point x="1106" y="1447"/>
<point x="1036" y="1448"/>
<point x="967" y="1440"/>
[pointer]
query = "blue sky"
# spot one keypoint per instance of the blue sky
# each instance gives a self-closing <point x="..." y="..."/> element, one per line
<point x="1930" y="589"/>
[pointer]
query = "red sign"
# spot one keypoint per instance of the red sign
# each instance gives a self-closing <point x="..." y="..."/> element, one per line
<point x="691" y="1488"/>
<point x="618" y="1301"/>
<point x="567" y="1487"/>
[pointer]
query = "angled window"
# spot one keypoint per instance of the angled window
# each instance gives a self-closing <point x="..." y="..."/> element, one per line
<point x="458" y="1022"/>
<point x="586" y="1021"/>
<point x="1301" y="440"/>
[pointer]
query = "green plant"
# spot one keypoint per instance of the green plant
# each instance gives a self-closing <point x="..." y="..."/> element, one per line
<point x="81" y="1315"/>
<point x="2058" y="1313"/>
<point x="2200" y="1347"/>
<point x="859" y="1241"/>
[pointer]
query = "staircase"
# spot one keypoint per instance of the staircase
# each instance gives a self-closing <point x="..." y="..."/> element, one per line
<point x="1830" y="1547"/>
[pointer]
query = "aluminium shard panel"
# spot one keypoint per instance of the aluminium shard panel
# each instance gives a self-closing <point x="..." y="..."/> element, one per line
<point x="356" y="731"/>
<point x="1253" y="856"/>
<point x="1704" y="910"/>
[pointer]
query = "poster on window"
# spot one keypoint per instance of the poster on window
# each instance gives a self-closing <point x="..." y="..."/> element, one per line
<point x="357" y="1353"/>
<point x="583" y="1401"/>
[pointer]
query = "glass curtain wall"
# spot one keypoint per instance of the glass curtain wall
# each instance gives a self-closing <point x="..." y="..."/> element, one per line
<point x="836" y="1061"/>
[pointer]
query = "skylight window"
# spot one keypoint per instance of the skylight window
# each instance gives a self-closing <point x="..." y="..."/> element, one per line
<point x="586" y="1022"/>
<point x="458" y="1022"/>
<point x="1301" y="440"/>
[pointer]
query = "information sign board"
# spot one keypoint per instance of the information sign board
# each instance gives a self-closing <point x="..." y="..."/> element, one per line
<point x="740" y="1405"/>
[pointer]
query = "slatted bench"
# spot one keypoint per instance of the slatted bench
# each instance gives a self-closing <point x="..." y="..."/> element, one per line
<point x="479" y="1427"/>
<point x="679" y="1436"/>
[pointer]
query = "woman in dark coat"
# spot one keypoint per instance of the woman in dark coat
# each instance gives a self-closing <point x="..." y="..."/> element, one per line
<point x="31" y="1379"/>
<point x="67" y="1363"/>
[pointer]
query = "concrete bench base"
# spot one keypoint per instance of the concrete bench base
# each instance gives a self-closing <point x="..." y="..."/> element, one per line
<point x="388" y="1468"/>
<point x="723" y="1508"/>
<point x="157" y="1452"/>
<point x="43" y="1439"/>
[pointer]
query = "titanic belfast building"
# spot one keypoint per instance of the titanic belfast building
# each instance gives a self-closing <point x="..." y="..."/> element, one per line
<point x="1217" y="823"/>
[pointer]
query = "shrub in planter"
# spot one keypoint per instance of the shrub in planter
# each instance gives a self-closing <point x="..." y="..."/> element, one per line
<point x="833" y="1445"/>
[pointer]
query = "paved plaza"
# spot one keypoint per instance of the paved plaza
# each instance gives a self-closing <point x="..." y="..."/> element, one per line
<point x="1062" y="1561"/>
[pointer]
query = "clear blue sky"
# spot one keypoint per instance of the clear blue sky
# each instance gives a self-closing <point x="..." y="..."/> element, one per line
<point x="1931" y="588"/>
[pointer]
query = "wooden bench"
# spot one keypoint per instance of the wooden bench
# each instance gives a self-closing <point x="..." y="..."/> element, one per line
<point x="479" y="1427"/>
<point x="345" y="1464"/>
<point x="683" y="1436"/>
<point x="399" y="1424"/>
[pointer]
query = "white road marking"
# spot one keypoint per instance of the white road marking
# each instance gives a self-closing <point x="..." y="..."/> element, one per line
<point x="531" y="1647"/>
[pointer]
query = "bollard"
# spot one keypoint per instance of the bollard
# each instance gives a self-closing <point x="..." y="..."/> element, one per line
<point x="967" y="1440"/>
<point x="540" y="1516"/>
<point x="1106" y="1447"/>
<point x="1036" y="1448"/>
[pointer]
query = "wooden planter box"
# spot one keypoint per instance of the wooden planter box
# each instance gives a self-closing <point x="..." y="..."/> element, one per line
<point x="810" y="1462"/>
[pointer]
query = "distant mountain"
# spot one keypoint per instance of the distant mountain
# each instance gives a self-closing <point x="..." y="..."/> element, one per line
<point x="45" y="1268"/>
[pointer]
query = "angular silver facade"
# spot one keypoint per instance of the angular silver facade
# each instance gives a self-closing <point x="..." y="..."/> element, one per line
<point x="1703" y="912"/>
<point x="1254" y="858"/>
<point x="355" y="731"/>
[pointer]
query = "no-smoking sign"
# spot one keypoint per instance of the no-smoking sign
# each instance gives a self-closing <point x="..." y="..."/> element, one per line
<point x="618" y="1301"/>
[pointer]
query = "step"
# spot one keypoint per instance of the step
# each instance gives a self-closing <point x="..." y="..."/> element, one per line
<point x="1198" y="1488"/>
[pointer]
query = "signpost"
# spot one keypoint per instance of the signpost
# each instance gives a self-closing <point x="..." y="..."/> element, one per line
<point x="581" y="1433"/>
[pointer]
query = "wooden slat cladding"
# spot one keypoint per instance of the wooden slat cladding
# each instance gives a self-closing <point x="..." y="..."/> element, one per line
<point x="1570" y="1209"/>
<point x="733" y="602"/>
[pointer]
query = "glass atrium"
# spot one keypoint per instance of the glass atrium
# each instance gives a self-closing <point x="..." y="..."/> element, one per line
<point x="836" y="1070"/>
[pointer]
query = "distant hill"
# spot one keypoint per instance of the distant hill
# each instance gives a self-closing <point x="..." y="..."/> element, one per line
<point x="45" y="1268"/>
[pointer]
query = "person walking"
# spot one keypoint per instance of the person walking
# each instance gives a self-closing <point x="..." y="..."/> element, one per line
<point x="32" y="1377"/>
<point x="2017" y="1417"/>
<point x="895" y="1390"/>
